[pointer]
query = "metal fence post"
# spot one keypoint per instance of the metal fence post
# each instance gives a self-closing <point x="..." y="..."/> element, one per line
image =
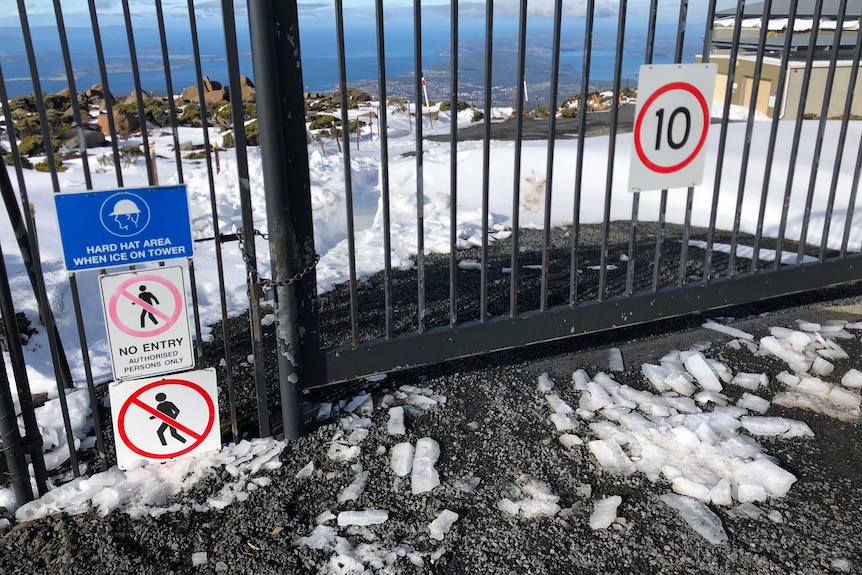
<point x="274" y="29"/>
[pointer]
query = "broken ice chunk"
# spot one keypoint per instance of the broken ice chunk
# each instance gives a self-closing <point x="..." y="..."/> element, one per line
<point x="557" y="404"/>
<point x="395" y="425"/>
<point x="605" y="512"/>
<point x="822" y="367"/>
<point x="610" y="456"/>
<point x="852" y="379"/>
<point x="656" y="376"/>
<point x="424" y="476"/>
<point x="615" y="359"/>
<point x="441" y="525"/>
<point x="363" y="518"/>
<point x="401" y="459"/>
<point x="698" y="367"/>
<point x="569" y="441"/>
<point x="355" y="489"/>
<point x="545" y="383"/>
<point x="199" y="558"/>
<point x="775" y="480"/>
<point x="759" y="425"/>
<point x="727" y="330"/>
<point x="563" y="422"/>
<point x="685" y="486"/>
<point x="753" y="403"/>
<point x="698" y="516"/>
<point x="750" y="381"/>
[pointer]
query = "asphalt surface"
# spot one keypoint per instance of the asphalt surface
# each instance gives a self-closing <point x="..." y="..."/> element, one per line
<point x="494" y="427"/>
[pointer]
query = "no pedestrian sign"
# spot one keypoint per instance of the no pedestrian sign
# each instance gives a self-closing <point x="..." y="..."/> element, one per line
<point x="166" y="418"/>
<point x="147" y="321"/>
<point x="124" y="227"/>
<point x="671" y="126"/>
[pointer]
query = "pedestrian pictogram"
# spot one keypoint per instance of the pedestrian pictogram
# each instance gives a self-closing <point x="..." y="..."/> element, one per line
<point x="165" y="418"/>
<point x="147" y="321"/>
<point x="124" y="227"/>
<point x="671" y="126"/>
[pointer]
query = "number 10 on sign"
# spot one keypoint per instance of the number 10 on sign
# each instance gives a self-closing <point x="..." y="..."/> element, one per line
<point x="671" y="126"/>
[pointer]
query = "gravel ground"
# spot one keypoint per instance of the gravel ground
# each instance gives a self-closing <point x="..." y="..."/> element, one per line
<point x="494" y="427"/>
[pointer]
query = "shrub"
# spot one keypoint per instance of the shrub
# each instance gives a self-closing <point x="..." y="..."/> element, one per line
<point x="477" y="116"/>
<point x="191" y="115"/>
<point x="250" y="110"/>
<point x="569" y="112"/>
<point x="541" y="112"/>
<point x="323" y="121"/>
<point x="447" y="104"/>
<point x="44" y="166"/>
<point x="32" y="146"/>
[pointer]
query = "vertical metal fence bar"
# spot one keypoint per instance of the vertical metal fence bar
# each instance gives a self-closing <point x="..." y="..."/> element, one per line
<point x="821" y="131"/>
<point x="348" y="175"/>
<point x="420" y="173"/>
<point x="773" y="136"/>
<point x="549" y="166"/>
<point x="73" y="92"/>
<point x="58" y="357"/>
<point x="636" y="196"/>
<point x="722" y="141"/>
<point x="582" y="130"/>
<point x="231" y="389"/>
<point x="842" y="140"/>
<point x="248" y="231"/>
<point x="88" y="371"/>
<point x="453" y="167"/>
<point x="612" y="146"/>
<point x="139" y="95"/>
<point x="797" y="134"/>
<point x="383" y="125"/>
<point x="516" y="186"/>
<point x="749" y="130"/>
<point x="172" y="108"/>
<point x="689" y="201"/>
<point x="851" y="204"/>
<point x="662" y="213"/>
<point x="107" y="95"/>
<point x="32" y="437"/>
<point x="486" y="158"/>
<point x="13" y="445"/>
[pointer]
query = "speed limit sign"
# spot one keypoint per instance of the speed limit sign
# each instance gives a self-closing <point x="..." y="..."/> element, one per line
<point x="671" y="126"/>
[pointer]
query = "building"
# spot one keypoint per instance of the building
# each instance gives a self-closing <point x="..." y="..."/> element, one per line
<point x="827" y="40"/>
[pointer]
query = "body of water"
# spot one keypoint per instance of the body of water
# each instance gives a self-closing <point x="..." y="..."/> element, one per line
<point x="319" y="55"/>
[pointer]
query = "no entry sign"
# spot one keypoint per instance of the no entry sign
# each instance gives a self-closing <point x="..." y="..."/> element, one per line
<point x="148" y="327"/>
<point x="165" y="418"/>
<point x="671" y="126"/>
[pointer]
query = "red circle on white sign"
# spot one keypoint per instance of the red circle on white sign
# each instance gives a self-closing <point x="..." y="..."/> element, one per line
<point x="169" y="320"/>
<point x="668" y="89"/>
<point x="155" y="413"/>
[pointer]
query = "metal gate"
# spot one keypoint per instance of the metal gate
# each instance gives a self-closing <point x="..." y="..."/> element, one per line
<point x="502" y="219"/>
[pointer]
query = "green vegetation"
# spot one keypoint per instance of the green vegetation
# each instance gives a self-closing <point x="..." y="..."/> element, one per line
<point x="447" y="104"/>
<point x="156" y="110"/>
<point x="44" y="166"/>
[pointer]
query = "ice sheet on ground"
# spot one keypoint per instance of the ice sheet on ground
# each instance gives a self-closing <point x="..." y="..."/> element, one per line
<point x="145" y="490"/>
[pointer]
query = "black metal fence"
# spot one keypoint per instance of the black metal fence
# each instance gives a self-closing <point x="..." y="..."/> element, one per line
<point x="774" y="216"/>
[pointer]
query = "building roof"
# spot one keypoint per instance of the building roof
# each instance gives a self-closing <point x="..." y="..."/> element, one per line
<point x="805" y="8"/>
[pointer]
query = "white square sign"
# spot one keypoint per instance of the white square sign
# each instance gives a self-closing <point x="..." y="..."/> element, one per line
<point x="671" y="126"/>
<point x="147" y="321"/>
<point x="165" y="418"/>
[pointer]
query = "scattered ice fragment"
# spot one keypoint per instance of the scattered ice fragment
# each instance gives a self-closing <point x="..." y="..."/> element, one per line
<point x="852" y="379"/>
<point x="759" y="425"/>
<point x="557" y="404"/>
<point x="685" y="486"/>
<point x="563" y="422"/>
<point x="360" y="403"/>
<point x="395" y="425"/>
<point x="842" y="565"/>
<point x="698" y="516"/>
<point x="605" y="512"/>
<point x="774" y="480"/>
<point x="697" y="366"/>
<point x="199" y="558"/>
<point x="341" y="452"/>
<point x="467" y="485"/>
<point x="470" y="264"/>
<point x="441" y="525"/>
<point x="569" y="441"/>
<point x="355" y="489"/>
<point x="545" y="383"/>
<point x="775" y="516"/>
<point x="822" y="367"/>
<point x="610" y="456"/>
<point x="363" y="518"/>
<point x="615" y="359"/>
<point x="727" y="330"/>
<point x="401" y="459"/>
<point x="753" y="403"/>
<point x="424" y="476"/>
<point x="746" y="511"/>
